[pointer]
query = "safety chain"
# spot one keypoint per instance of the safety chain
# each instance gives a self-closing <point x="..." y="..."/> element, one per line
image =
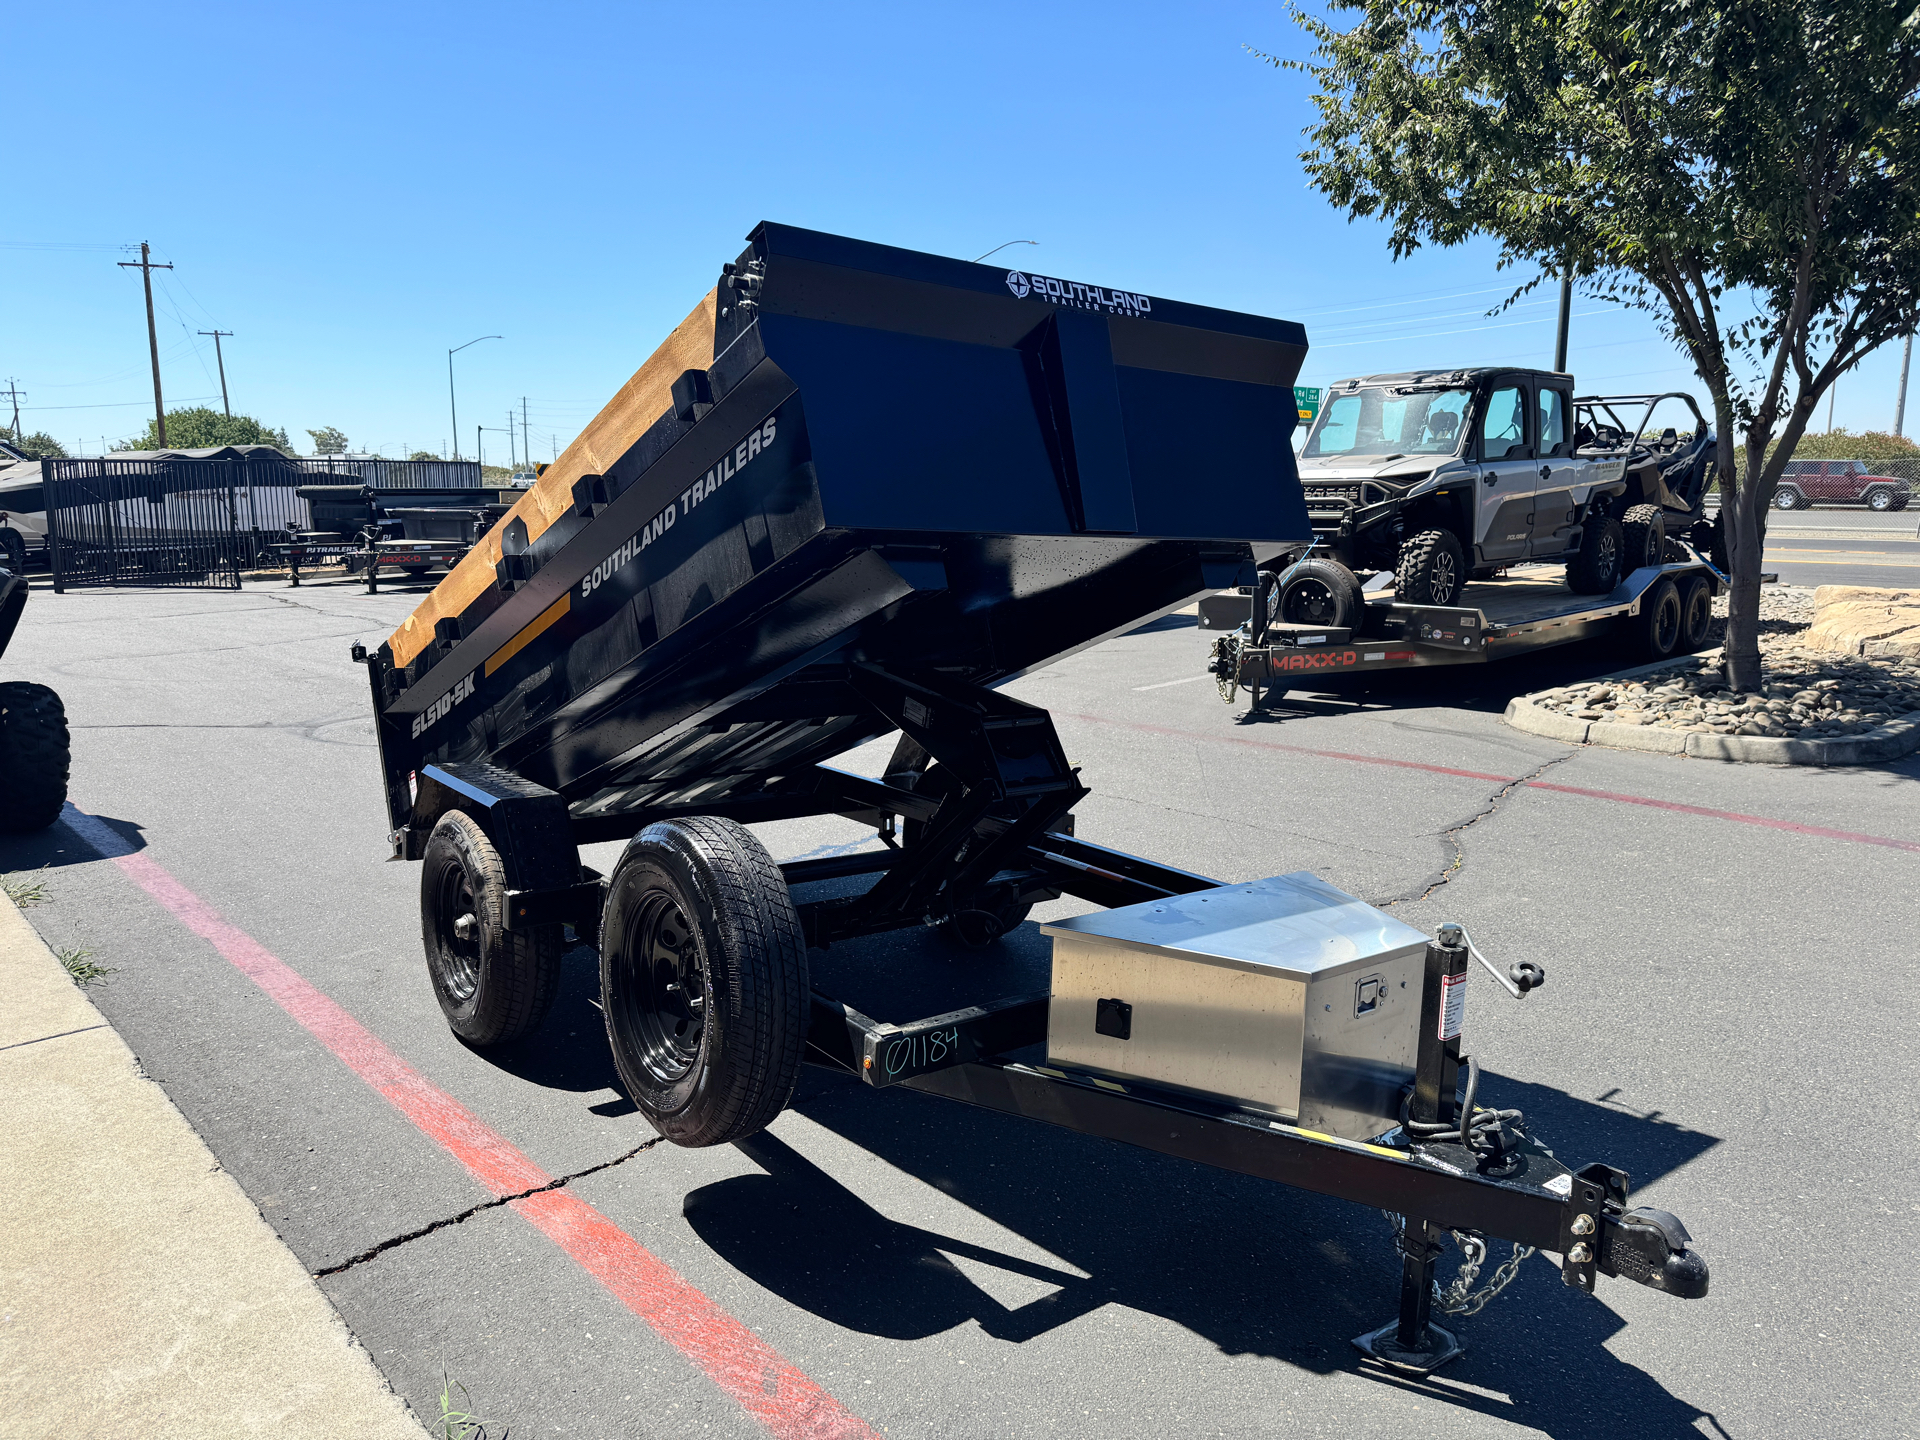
<point x="1460" y="1298"/>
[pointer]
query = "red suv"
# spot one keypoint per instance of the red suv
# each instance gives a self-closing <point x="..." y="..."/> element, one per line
<point x="1847" y="482"/>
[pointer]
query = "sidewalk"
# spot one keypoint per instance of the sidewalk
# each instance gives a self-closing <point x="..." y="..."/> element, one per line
<point x="141" y="1293"/>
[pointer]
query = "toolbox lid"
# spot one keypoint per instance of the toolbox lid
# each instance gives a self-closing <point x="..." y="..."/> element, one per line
<point x="1295" y="925"/>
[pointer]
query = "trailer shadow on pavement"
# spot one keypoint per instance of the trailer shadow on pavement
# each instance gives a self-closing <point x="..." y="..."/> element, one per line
<point x="1254" y="1268"/>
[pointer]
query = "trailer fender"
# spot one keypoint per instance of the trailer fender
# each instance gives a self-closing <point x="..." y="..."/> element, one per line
<point x="527" y="823"/>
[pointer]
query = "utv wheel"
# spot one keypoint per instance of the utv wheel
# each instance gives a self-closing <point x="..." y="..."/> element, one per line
<point x="1697" y="615"/>
<point x="1711" y="539"/>
<point x="1430" y="570"/>
<point x="1319" y="592"/>
<point x="703" y="979"/>
<point x="34" y="756"/>
<point x="1654" y="633"/>
<point x="494" y="985"/>
<point x="1644" y="537"/>
<point x="1596" y="568"/>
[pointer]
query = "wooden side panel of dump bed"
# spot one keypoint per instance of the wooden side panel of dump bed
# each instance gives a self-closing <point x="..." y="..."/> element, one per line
<point x="608" y="436"/>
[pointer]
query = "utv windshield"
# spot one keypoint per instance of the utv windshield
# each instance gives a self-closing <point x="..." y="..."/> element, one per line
<point x="1379" y="421"/>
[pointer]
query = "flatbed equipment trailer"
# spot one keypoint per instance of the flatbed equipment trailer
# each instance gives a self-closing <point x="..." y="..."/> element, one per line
<point x="857" y="490"/>
<point x="1653" y="613"/>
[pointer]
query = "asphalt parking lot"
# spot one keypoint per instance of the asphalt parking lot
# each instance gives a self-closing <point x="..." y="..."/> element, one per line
<point x="1730" y="1016"/>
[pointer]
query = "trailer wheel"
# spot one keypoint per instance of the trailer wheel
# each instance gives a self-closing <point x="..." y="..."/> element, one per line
<point x="494" y="985"/>
<point x="1697" y="615"/>
<point x="1319" y="592"/>
<point x="703" y="979"/>
<point x="1431" y="569"/>
<point x="35" y="745"/>
<point x="1653" y="634"/>
<point x="1596" y="568"/>
<point x="1644" y="537"/>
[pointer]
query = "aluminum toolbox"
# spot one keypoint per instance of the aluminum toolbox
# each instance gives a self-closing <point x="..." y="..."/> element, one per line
<point x="1286" y="995"/>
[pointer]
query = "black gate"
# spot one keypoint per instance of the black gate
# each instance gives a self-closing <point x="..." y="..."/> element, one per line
<point x="185" y="521"/>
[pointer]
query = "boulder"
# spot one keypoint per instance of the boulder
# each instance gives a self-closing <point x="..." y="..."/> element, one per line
<point x="1864" y="620"/>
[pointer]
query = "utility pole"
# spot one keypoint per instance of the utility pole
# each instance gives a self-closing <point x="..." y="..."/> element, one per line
<point x="1900" y="400"/>
<point x="512" y="464"/>
<point x="526" y="445"/>
<point x="479" y="455"/>
<point x="146" y="266"/>
<point x="219" y="361"/>
<point x="453" y="413"/>
<point x="13" y="390"/>
<point x="1560" y="331"/>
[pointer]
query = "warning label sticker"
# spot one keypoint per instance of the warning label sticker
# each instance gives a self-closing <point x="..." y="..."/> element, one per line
<point x="1453" y="1005"/>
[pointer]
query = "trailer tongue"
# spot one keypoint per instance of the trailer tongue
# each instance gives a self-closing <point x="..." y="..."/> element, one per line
<point x="856" y="490"/>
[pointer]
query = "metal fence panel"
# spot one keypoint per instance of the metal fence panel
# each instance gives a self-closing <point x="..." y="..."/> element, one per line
<point x="201" y="522"/>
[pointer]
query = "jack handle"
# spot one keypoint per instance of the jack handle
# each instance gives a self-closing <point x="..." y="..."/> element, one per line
<point x="1517" y="981"/>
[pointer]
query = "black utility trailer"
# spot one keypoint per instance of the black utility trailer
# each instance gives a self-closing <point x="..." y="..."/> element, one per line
<point x="880" y="484"/>
<point x="409" y="529"/>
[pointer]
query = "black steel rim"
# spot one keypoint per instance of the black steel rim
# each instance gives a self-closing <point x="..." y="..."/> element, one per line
<point x="457" y="960"/>
<point x="1608" y="553"/>
<point x="1667" y="623"/>
<point x="663" y="995"/>
<point x="1442" y="581"/>
<point x="1308" y="602"/>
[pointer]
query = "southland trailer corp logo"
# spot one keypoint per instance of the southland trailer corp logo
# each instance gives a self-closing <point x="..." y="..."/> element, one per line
<point x="1081" y="297"/>
<point x="757" y="440"/>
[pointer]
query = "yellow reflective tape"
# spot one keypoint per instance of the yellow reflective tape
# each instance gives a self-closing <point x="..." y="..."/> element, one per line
<point x="528" y="634"/>
<point x="1387" y="1151"/>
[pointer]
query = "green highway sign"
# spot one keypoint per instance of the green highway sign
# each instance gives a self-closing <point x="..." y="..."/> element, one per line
<point x="1307" y="399"/>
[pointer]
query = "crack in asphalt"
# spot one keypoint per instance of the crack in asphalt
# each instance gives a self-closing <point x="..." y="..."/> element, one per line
<point x="472" y="1211"/>
<point x="1450" y="838"/>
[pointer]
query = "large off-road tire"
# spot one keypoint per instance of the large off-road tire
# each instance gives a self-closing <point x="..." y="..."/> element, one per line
<point x="1431" y="570"/>
<point x="494" y="985"/>
<point x="703" y="980"/>
<point x="35" y="756"/>
<point x="1596" y="568"/>
<point x="1697" y="615"/>
<point x="1644" y="537"/>
<point x="1655" y="633"/>
<point x="1710" y="537"/>
<point x="1318" y="592"/>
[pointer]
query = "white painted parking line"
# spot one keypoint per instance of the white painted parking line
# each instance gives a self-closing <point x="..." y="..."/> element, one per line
<point x="1164" y="684"/>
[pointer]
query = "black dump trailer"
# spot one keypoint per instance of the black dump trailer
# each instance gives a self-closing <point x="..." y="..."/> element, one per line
<point x="888" y="483"/>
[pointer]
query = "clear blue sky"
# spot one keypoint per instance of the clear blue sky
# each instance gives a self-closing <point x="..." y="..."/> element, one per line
<point x="352" y="189"/>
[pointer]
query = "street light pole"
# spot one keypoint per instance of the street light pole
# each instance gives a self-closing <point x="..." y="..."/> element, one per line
<point x="451" y="411"/>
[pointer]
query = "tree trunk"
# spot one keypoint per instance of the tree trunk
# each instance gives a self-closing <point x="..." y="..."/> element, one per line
<point x="1744" y="508"/>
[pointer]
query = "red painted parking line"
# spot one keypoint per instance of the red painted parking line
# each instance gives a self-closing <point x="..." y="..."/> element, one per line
<point x="774" y="1391"/>
<point x="1793" y="827"/>
<point x="1768" y="821"/>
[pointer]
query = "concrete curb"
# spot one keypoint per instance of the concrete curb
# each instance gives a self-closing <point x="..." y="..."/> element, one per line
<point x="145" y="1294"/>
<point x="1889" y="742"/>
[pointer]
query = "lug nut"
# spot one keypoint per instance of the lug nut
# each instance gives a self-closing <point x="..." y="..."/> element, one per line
<point x="1583" y="1226"/>
<point x="1579" y="1253"/>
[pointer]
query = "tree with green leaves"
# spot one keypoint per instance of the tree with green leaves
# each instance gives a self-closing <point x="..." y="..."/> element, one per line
<point x="37" y="446"/>
<point x="1746" y="172"/>
<point x="329" y="441"/>
<point x="423" y="455"/>
<point x="199" y="428"/>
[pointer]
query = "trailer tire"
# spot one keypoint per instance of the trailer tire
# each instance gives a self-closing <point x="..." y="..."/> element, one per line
<point x="1655" y="633"/>
<point x="698" y="905"/>
<point x="1431" y="569"/>
<point x="494" y="985"/>
<point x="1318" y="591"/>
<point x="1596" y="568"/>
<point x="1697" y="615"/>
<point x="1644" y="537"/>
<point x="38" y="756"/>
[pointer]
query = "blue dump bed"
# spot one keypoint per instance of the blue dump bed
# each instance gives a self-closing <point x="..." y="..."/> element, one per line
<point x="891" y="460"/>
